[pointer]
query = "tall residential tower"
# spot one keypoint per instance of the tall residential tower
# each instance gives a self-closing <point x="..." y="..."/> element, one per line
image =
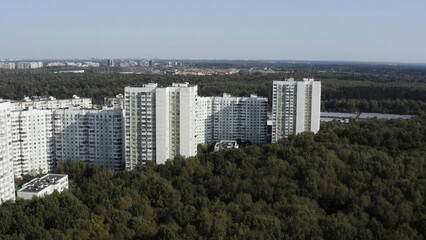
<point x="7" y="183"/>
<point x="159" y="123"/>
<point x="295" y="107"/>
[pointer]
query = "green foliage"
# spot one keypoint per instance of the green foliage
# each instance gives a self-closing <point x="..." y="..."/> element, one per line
<point x="361" y="180"/>
<point x="346" y="92"/>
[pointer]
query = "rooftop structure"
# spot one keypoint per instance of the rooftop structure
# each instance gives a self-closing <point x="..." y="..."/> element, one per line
<point x="40" y="103"/>
<point x="43" y="186"/>
<point x="225" y="144"/>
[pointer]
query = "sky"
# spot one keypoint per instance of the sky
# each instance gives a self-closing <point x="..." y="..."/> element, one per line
<point x="328" y="30"/>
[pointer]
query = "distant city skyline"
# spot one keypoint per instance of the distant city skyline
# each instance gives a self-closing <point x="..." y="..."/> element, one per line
<point x="330" y="30"/>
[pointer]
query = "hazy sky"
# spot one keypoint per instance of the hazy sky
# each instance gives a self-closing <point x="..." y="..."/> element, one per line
<point x="360" y="30"/>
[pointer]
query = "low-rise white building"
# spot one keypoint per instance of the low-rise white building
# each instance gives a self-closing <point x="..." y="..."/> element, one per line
<point x="43" y="186"/>
<point x="225" y="144"/>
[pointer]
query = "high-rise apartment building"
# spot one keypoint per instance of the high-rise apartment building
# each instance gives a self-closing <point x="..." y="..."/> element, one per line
<point x="7" y="183"/>
<point x="239" y="118"/>
<point x="92" y="136"/>
<point x="176" y="121"/>
<point x="160" y="123"/>
<point x="204" y="120"/>
<point x="140" y="117"/>
<point x="32" y="141"/>
<point x="156" y="124"/>
<point x="295" y="107"/>
<point x="164" y="122"/>
<point x="7" y="65"/>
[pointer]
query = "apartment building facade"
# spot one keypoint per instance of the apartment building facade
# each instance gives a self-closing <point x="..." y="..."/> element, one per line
<point x="7" y="182"/>
<point x="159" y="118"/>
<point x="32" y="141"/>
<point x="239" y="118"/>
<point x="295" y="107"/>
<point x="92" y="136"/>
<point x="164" y="122"/>
<point x="140" y="127"/>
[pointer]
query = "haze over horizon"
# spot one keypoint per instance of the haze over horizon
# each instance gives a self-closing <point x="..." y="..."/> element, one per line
<point x="330" y="30"/>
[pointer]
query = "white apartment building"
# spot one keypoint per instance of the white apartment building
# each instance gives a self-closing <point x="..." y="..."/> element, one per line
<point x="32" y="141"/>
<point x="160" y="123"/>
<point x="92" y="136"/>
<point x="29" y="65"/>
<point x="295" y="107"/>
<point x="7" y="65"/>
<point x="164" y="122"/>
<point x="7" y="182"/>
<point x="176" y="121"/>
<point x="239" y="118"/>
<point x="204" y="120"/>
<point x="140" y="127"/>
<point x="51" y="103"/>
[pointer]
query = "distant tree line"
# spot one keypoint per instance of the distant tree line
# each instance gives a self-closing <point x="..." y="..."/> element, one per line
<point x="361" y="180"/>
<point x="347" y="92"/>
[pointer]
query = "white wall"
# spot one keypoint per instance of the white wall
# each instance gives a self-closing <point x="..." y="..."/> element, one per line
<point x="7" y="183"/>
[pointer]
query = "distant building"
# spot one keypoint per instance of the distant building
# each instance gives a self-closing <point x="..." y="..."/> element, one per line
<point x="295" y="107"/>
<point x="43" y="186"/>
<point x="7" y="65"/>
<point x="29" y="65"/>
<point x="127" y="63"/>
<point x="110" y="62"/>
<point x="73" y="64"/>
<point x="151" y="63"/>
<point x="225" y="144"/>
<point x="7" y="182"/>
<point x="382" y="116"/>
<point x="90" y="64"/>
<point x="71" y="71"/>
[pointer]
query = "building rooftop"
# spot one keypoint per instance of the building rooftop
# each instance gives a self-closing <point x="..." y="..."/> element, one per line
<point x="225" y="144"/>
<point x="38" y="184"/>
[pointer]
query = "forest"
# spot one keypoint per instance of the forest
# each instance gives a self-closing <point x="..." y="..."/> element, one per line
<point x="361" y="180"/>
<point x="341" y="91"/>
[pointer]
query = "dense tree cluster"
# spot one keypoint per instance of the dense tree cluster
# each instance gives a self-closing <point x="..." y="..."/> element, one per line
<point x="373" y="105"/>
<point x="361" y="180"/>
<point x="347" y="92"/>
